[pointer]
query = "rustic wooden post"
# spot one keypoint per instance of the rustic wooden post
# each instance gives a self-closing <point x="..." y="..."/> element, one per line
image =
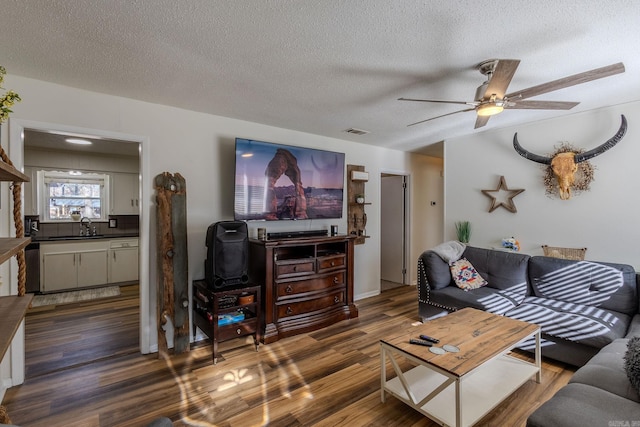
<point x="172" y="268"/>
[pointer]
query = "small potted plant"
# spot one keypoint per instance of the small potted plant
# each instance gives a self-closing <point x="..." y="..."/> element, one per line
<point x="463" y="230"/>
<point x="75" y="215"/>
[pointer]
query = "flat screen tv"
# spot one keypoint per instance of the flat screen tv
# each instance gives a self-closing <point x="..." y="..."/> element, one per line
<point x="282" y="182"/>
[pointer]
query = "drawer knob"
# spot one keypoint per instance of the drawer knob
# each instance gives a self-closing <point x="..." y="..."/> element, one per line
<point x="335" y="279"/>
<point x="333" y="263"/>
<point x="336" y="299"/>
<point x="238" y="331"/>
<point x="289" y="310"/>
<point x="295" y="268"/>
<point x="288" y="289"/>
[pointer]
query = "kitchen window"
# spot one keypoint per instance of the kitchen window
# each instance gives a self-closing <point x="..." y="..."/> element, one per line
<point x="64" y="194"/>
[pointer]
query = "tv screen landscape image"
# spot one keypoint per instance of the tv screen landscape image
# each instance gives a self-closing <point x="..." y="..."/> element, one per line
<point x="283" y="182"/>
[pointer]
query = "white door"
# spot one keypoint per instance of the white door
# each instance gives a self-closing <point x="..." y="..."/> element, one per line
<point x="392" y="223"/>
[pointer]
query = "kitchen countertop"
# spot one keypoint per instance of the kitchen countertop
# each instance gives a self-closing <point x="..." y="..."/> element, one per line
<point x="45" y="239"/>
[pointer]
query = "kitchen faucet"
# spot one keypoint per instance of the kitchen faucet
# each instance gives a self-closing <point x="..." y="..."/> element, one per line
<point x="86" y="224"/>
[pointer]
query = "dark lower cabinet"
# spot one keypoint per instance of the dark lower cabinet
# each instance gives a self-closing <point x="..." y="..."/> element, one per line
<point x="308" y="283"/>
<point x="227" y="314"/>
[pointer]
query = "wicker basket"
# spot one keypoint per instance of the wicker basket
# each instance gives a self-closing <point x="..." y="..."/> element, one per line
<point x="576" y="254"/>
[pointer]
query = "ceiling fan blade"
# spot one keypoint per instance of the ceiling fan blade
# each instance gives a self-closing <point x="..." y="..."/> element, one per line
<point x="541" y="105"/>
<point x="501" y="77"/>
<point x="444" y="115"/>
<point x="576" y="79"/>
<point x="439" y="101"/>
<point x="481" y="121"/>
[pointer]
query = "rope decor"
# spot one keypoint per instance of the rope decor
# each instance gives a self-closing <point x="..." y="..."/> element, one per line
<point x="16" y="189"/>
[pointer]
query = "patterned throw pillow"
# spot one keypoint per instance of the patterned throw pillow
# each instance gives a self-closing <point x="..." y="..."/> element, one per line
<point x="466" y="276"/>
<point x="632" y="362"/>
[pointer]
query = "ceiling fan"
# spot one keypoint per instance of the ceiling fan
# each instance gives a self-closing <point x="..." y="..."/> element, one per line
<point x="490" y="98"/>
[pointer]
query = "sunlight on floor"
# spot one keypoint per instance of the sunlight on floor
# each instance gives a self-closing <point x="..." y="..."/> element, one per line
<point x="251" y="371"/>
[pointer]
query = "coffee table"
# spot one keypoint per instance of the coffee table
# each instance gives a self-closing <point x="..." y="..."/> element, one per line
<point x="458" y="389"/>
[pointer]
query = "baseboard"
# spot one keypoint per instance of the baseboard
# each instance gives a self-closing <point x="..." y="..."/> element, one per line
<point x="366" y="295"/>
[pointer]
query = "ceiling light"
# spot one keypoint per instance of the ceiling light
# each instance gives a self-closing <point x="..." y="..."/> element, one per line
<point x="78" y="141"/>
<point x="489" y="109"/>
<point x="75" y="173"/>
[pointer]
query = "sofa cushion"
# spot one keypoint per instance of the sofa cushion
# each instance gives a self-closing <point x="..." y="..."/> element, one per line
<point x="634" y="327"/>
<point x="485" y="298"/>
<point x="465" y="276"/>
<point x="582" y="405"/>
<point x="501" y="269"/>
<point x="632" y="362"/>
<point x="606" y="285"/>
<point x="584" y="324"/>
<point x="606" y="370"/>
<point x="434" y="269"/>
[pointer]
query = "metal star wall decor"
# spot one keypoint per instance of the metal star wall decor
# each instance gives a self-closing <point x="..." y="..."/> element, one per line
<point x="497" y="201"/>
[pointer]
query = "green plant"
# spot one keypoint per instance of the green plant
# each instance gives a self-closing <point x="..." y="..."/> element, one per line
<point x="463" y="230"/>
<point x="7" y="100"/>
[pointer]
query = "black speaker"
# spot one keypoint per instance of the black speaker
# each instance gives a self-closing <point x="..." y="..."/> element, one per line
<point x="227" y="261"/>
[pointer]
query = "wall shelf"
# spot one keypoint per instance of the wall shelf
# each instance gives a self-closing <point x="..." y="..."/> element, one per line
<point x="356" y="215"/>
<point x="12" y="307"/>
<point x="10" y="246"/>
<point x="9" y="173"/>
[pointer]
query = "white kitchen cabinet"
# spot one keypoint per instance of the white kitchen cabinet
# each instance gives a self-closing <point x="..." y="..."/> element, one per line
<point x="59" y="271"/>
<point x="125" y="194"/>
<point x="73" y="265"/>
<point x="123" y="260"/>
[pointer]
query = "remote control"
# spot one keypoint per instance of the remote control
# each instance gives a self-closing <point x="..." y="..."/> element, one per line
<point x="420" y="342"/>
<point x="428" y="338"/>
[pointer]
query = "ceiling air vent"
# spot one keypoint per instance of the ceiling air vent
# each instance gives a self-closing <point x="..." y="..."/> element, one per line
<point x="357" y="131"/>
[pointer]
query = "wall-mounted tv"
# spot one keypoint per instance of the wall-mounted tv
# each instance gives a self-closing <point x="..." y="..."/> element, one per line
<point x="282" y="182"/>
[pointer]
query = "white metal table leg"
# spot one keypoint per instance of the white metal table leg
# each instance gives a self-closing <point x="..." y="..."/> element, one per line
<point x="383" y="372"/>
<point x="538" y="358"/>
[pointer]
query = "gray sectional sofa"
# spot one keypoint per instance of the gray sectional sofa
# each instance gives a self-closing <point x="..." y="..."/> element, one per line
<point x="581" y="306"/>
<point x="587" y="312"/>
<point x="598" y="394"/>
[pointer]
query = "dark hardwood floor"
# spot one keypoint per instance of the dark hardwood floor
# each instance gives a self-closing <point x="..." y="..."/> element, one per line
<point x="83" y="368"/>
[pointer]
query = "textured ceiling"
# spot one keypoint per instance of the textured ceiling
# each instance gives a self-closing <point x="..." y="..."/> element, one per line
<point x="325" y="66"/>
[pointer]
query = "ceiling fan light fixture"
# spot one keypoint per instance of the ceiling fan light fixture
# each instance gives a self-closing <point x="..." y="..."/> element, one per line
<point x="489" y="109"/>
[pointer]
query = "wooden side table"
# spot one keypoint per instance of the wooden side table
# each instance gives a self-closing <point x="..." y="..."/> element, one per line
<point x="226" y="314"/>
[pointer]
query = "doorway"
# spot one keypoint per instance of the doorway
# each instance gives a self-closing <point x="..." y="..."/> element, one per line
<point x="111" y="143"/>
<point x="394" y="230"/>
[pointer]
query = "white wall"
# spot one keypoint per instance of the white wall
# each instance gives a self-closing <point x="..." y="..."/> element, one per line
<point x="604" y="219"/>
<point x="201" y="148"/>
<point x="426" y="207"/>
<point x="94" y="162"/>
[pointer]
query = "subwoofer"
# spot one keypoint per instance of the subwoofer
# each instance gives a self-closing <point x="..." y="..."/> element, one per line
<point x="227" y="261"/>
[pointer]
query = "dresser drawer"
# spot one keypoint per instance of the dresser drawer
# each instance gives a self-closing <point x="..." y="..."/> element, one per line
<point x="294" y="268"/>
<point x="327" y="263"/>
<point x="310" y="285"/>
<point x="234" y="330"/>
<point x="310" y="305"/>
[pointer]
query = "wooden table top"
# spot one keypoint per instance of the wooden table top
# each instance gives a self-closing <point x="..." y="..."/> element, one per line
<point x="479" y="335"/>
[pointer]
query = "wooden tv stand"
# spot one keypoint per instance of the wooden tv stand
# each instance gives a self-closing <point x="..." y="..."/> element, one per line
<point x="308" y="283"/>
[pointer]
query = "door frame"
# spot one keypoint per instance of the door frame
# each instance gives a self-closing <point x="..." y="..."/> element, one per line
<point x="16" y="150"/>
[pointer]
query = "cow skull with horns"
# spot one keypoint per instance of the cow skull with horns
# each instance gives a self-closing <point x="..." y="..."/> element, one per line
<point x="565" y="165"/>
